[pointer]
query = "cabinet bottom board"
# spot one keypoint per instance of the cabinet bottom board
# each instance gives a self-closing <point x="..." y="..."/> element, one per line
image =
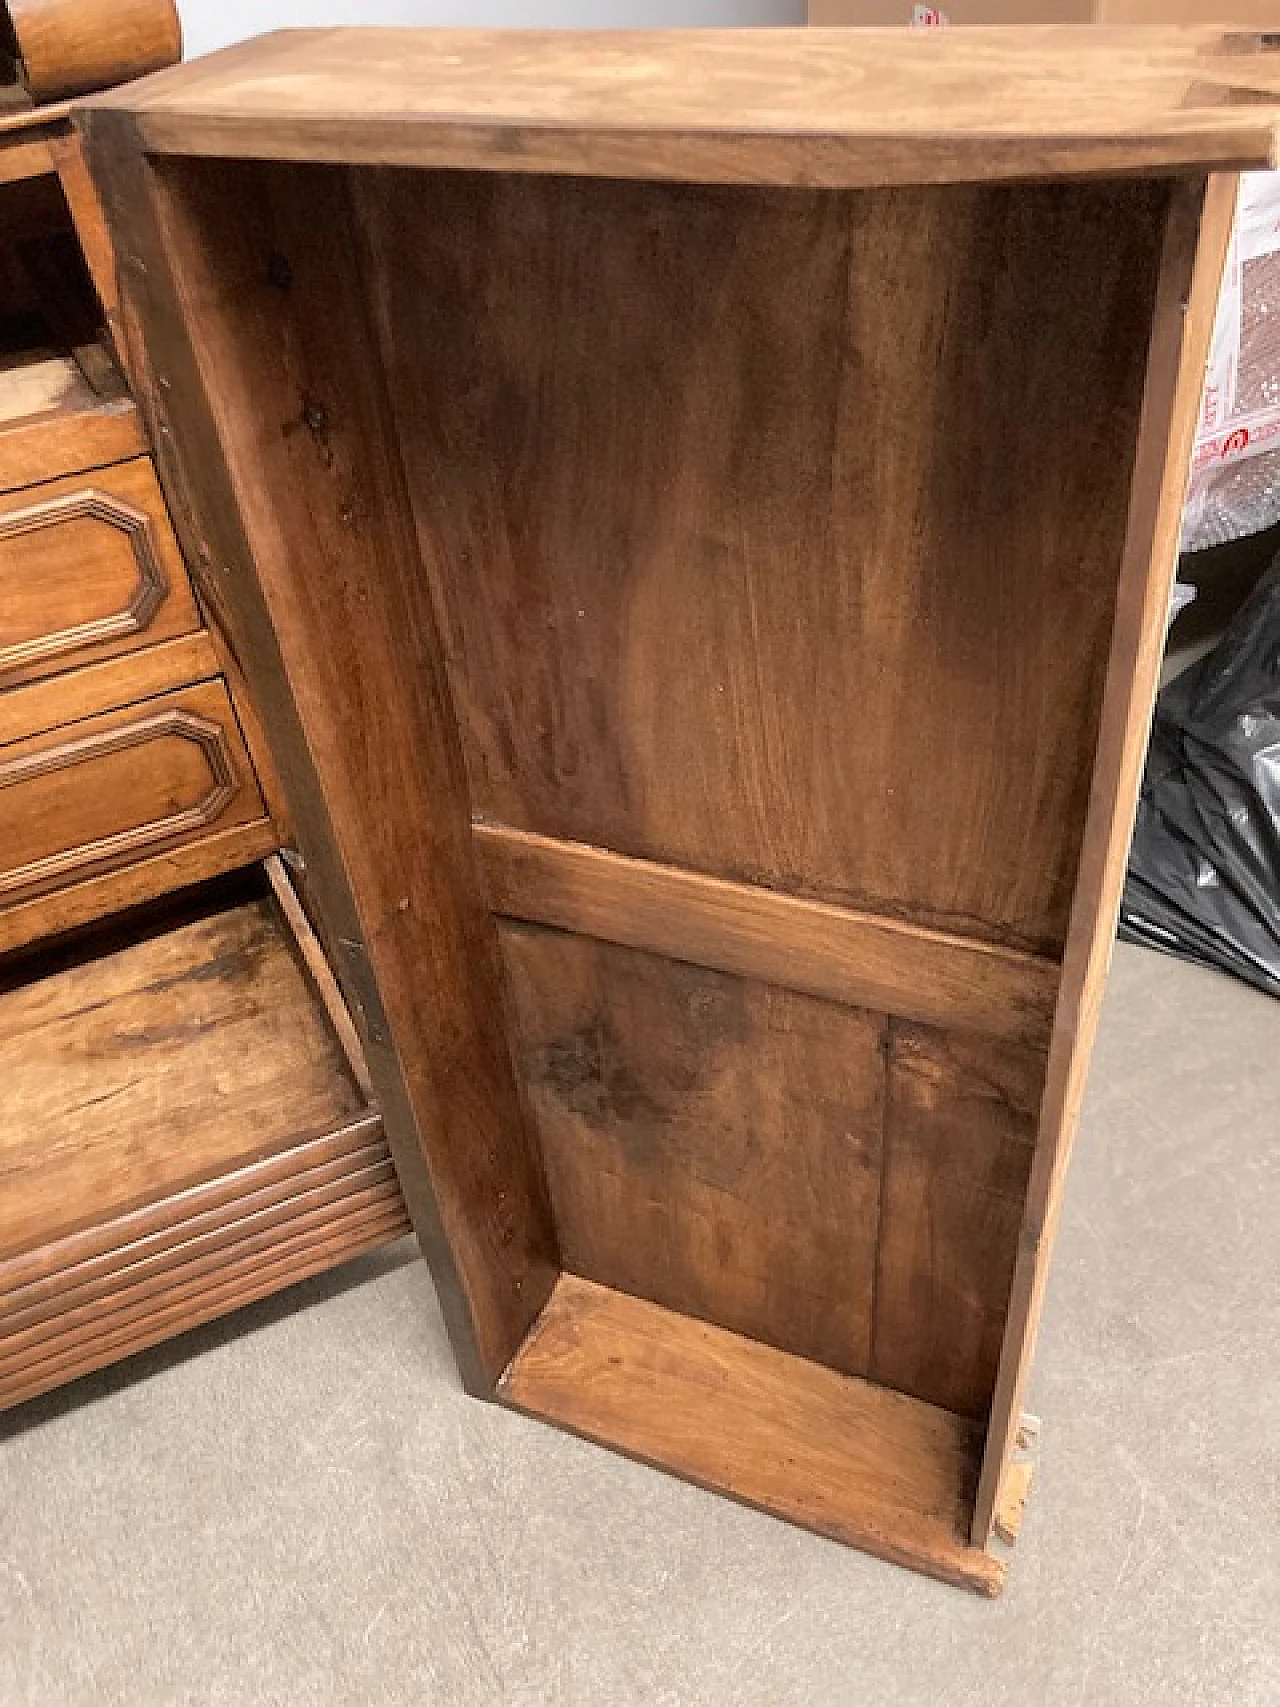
<point x="854" y="1461"/>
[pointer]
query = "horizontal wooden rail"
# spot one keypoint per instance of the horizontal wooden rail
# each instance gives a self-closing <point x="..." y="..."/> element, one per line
<point x="861" y="959"/>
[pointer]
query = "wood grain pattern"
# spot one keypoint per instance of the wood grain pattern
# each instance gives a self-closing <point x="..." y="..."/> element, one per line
<point x="801" y="107"/>
<point x="217" y="597"/>
<point x="326" y="472"/>
<point x="863" y="1465"/>
<point x="1195" y="248"/>
<point x="133" y="1075"/>
<point x="189" y="451"/>
<point x="861" y="959"/>
<point x="839" y="1185"/>
<point x="822" y="491"/>
<point x="68" y="46"/>
<point x="87" y="217"/>
<point x="31" y="121"/>
<point x="88" y="796"/>
<point x="128" y="1095"/>
<point x="311" y="957"/>
<point x="960" y="1127"/>
<point x="710" y="1143"/>
<point x="88" y="567"/>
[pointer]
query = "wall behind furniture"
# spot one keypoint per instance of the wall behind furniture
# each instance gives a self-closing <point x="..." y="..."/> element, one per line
<point x="213" y="23"/>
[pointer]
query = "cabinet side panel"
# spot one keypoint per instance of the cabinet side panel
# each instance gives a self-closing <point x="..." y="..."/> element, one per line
<point x="247" y="288"/>
<point x="797" y="514"/>
<point x="1194" y="248"/>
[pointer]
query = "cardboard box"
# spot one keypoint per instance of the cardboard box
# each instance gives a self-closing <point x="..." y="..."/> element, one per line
<point x="1253" y="14"/>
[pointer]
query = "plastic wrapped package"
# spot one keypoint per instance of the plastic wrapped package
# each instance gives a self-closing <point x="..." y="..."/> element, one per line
<point x="1182" y="596"/>
<point x="1235" y="499"/>
<point x="1235" y="473"/>
<point x="1204" y="869"/>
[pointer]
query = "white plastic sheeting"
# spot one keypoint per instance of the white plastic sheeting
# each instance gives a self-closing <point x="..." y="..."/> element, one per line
<point x="1235" y="472"/>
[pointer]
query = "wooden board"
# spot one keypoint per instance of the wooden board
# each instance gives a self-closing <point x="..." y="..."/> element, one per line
<point x="742" y="106"/>
<point x="454" y="1118"/>
<point x="686" y="1121"/>
<point x="831" y="1182"/>
<point x="87" y="692"/>
<point x="169" y="1061"/>
<point x="242" y="1277"/>
<point x="853" y="1461"/>
<point x="140" y="881"/>
<point x="86" y="216"/>
<point x="25" y="158"/>
<point x="128" y="1279"/>
<point x="863" y="959"/>
<point x="960" y="1128"/>
<point x="28" y="120"/>
<point x="76" y="1331"/>
<point x="37" y="1282"/>
<point x="1195" y="250"/>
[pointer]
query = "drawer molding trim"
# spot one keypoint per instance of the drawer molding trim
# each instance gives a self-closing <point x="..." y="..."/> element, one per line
<point x="138" y="838"/>
<point x="150" y="590"/>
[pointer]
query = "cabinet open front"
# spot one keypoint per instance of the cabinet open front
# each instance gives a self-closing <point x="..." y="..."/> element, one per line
<point x="185" y="1128"/>
<point x="63" y="404"/>
<point x="713" y="627"/>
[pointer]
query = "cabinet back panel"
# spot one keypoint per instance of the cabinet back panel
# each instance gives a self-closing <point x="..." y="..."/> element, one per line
<point x="798" y="516"/>
<point x="712" y="1143"/>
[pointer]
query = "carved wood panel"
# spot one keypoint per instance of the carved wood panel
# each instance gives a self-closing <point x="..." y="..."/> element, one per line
<point x="88" y="567"/>
<point x="98" y="794"/>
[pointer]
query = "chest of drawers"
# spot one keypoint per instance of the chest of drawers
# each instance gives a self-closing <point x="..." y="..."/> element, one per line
<point x="185" y="1122"/>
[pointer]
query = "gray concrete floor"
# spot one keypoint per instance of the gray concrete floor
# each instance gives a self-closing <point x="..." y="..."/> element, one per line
<point x="301" y="1507"/>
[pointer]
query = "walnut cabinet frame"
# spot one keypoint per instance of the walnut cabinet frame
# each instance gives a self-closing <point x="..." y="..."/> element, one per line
<point x="699" y="513"/>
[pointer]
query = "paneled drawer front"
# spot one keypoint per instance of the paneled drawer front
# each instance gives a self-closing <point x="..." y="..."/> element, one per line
<point x="94" y="795"/>
<point x="89" y="567"/>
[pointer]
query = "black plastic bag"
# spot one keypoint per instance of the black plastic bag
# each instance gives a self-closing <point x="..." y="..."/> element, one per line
<point x="1204" y="869"/>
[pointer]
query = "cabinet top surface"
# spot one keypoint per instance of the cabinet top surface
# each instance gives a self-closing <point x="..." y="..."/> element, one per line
<point x="840" y="106"/>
